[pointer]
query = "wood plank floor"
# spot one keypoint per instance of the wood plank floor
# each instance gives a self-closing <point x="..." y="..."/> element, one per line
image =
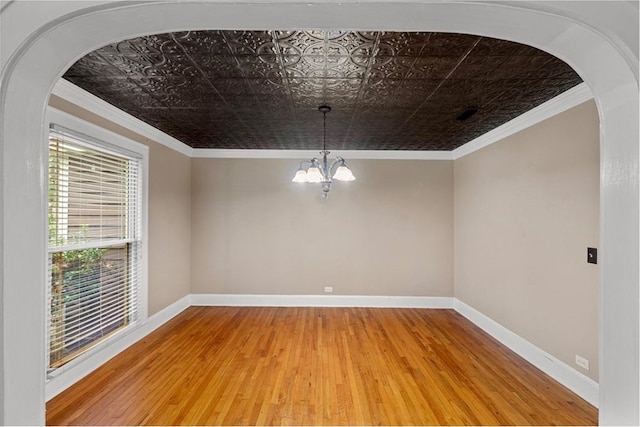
<point x="318" y="366"/>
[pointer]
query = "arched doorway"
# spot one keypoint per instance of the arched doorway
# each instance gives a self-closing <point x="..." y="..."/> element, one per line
<point x="74" y="29"/>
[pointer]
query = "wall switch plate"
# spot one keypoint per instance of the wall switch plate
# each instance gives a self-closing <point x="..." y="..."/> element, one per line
<point x="582" y="362"/>
<point x="328" y="289"/>
<point x="592" y="255"/>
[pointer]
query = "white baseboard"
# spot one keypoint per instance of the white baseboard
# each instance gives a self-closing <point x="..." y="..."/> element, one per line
<point x="575" y="381"/>
<point x="70" y="374"/>
<point x="572" y="379"/>
<point x="321" y="301"/>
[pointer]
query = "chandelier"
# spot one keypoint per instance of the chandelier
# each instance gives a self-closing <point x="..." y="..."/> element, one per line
<point x="320" y="170"/>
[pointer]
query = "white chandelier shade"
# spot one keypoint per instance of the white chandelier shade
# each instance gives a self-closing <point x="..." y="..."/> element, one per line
<point x="320" y="170"/>
<point x="318" y="173"/>
<point x="343" y="173"/>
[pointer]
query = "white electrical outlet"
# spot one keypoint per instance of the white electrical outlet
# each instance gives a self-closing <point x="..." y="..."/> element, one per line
<point x="582" y="362"/>
<point x="328" y="289"/>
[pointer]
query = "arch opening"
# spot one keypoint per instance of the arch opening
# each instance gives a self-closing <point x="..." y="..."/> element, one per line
<point x="57" y="43"/>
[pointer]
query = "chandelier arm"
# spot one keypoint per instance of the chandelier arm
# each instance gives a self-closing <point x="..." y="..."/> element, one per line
<point x="334" y="164"/>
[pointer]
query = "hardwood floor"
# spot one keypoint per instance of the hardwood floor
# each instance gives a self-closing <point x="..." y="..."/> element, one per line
<point x="318" y="366"/>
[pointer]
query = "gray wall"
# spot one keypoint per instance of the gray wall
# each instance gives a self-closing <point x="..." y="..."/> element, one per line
<point x="390" y="232"/>
<point x="526" y="209"/>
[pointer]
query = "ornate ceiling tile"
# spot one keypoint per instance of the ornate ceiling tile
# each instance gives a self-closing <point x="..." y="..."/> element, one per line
<point x="203" y="43"/>
<point x="390" y="67"/>
<point x="261" y="89"/>
<point x="445" y="44"/>
<point x="403" y="44"/>
<point x="92" y="64"/>
<point x="251" y="43"/>
<point x="232" y="87"/>
<point x="433" y="67"/>
<point x="260" y="66"/>
<point x="218" y="67"/>
<point x="109" y="88"/>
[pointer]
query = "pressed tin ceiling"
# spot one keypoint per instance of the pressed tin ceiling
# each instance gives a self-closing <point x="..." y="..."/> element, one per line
<point x="261" y="89"/>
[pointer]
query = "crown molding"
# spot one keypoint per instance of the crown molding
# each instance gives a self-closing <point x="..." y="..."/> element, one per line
<point x="80" y="97"/>
<point x="307" y="154"/>
<point x="563" y="102"/>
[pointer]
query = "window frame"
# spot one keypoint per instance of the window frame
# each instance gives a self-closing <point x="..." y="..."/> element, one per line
<point x="119" y="144"/>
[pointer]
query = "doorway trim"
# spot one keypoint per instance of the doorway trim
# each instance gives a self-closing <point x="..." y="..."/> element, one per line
<point x="41" y="59"/>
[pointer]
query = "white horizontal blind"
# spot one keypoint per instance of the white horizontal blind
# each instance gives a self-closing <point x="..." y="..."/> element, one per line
<point x="94" y="243"/>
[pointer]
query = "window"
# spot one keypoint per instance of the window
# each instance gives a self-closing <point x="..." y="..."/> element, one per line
<point x="95" y="243"/>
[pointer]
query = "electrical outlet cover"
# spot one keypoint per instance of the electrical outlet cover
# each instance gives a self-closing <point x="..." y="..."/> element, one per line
<point x="582" y="362"/>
